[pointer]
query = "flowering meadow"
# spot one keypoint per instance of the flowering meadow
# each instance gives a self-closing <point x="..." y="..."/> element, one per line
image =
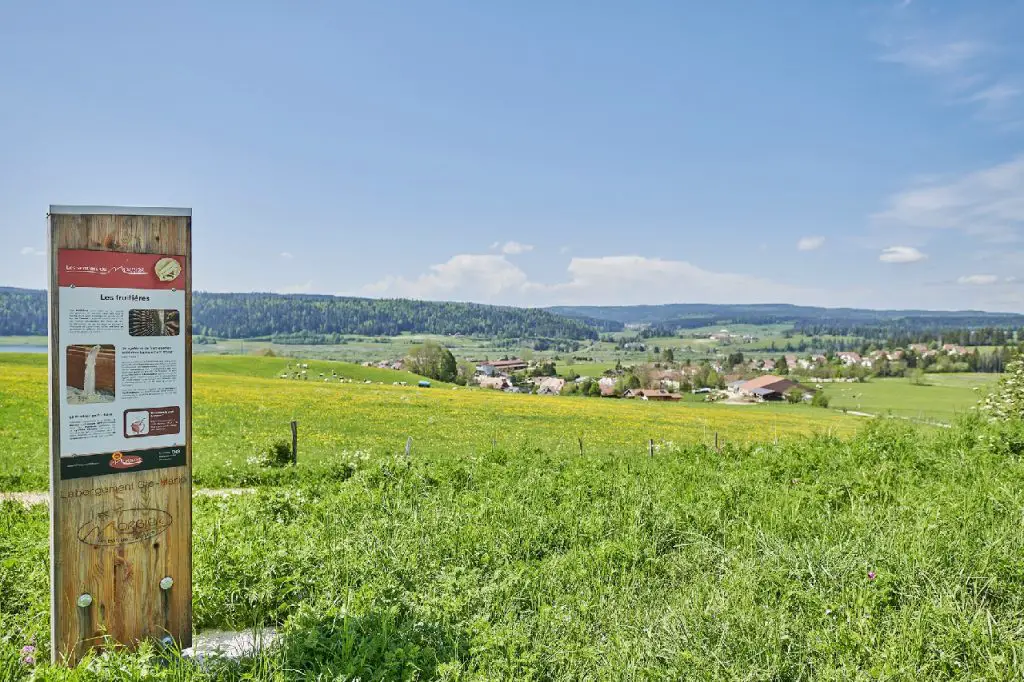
<point x="888" y="552"/>
<point x="241" y="406"/>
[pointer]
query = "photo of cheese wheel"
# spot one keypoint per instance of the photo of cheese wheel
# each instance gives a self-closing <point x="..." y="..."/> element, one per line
<point x="167" y="269"/>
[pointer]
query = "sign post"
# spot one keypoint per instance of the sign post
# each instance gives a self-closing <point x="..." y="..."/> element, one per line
<point x="120" y="427"/>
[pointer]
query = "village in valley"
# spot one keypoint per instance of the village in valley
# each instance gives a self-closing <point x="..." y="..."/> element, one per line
<point x="653" y="373"/>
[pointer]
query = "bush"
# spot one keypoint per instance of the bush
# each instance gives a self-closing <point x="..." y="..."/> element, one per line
<point x="820" y="399"/>
<point x="277" y="454"/>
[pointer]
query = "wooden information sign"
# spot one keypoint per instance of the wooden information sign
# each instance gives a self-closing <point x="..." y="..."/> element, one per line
<point x="120" y="427"/>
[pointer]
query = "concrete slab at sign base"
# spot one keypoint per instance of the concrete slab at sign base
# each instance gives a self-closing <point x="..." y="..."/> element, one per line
<point x="229" y="645"/>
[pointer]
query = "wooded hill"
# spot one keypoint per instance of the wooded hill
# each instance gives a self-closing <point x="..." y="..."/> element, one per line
<point x="303" y="318"/>
<point x="808" y="320"/>
<point x="245" y="316"/>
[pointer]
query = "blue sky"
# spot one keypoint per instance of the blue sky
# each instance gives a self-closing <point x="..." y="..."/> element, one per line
<point x="534" y="153"/>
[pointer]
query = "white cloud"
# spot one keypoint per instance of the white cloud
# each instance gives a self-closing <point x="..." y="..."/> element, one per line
<point x="810" y="243"/>
<point x="901" y="254"/>
<point x="32" y="251"/>
<point x="512" y="248"/>
<point x="463" y="277"/>
<point x="923" y="54"/>
<point x="978" y="280"/>
<point x="972" y="63"/>
<point x="610" y="280"/>
<point x="286" y="254"/>
<point x="304" y="288"/>
<point x="988" y="203"/>
<point x="995" y="95"/>
<point x="624" y="280"/>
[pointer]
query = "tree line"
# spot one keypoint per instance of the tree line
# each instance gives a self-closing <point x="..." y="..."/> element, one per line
<point x="307" y="318"/>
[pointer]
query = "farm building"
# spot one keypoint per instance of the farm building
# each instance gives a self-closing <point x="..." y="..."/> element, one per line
<point x="607" y="385"/>
<point x="496" y="383"/>
<point x="849" y="358"/>
<point x="767" y="387"/>
<point x="650" y="394"/>
<point x="550" y="386"/>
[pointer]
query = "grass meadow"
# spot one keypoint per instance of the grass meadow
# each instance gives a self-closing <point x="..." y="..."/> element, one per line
<point x="941" y="398"/>
<point x="241" y="405"/>
<point x="884" y="553"/>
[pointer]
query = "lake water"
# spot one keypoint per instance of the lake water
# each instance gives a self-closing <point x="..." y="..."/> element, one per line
<point x="22" y="349"/>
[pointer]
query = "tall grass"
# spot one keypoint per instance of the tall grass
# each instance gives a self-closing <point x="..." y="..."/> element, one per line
<point x="894" y="554"/>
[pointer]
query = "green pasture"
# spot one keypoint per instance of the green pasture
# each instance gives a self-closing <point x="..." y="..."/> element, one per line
<point x="241" y="406"/>
<point x="942" y="397"/>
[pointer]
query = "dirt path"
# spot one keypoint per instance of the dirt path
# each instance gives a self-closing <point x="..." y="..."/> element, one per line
<point x="31" y="499"/>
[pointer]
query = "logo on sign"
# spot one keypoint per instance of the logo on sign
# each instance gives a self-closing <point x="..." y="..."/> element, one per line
<point x="123" y="526"/>
<point x="119" y="460"/>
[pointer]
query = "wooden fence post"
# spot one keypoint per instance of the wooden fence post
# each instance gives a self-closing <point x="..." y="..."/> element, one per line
<point x="295" y="442"/>
<point x="650" y="447"/>
<point x="408" y="448"/>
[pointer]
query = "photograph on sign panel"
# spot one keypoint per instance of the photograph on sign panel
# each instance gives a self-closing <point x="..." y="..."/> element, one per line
<point x="152" y="421"/>
<point x="90" y="373"/>
<point x="154" y="322"/>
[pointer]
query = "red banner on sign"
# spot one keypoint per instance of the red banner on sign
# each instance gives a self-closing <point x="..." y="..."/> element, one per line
<point x="110" y="270"/>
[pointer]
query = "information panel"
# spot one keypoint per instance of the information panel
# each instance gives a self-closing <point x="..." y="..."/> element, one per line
<point x="120" y="411"/>
<point x="123" y="369"/>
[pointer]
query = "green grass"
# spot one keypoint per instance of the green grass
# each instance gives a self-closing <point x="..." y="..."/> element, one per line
<point x="241" y="406"/>
<point x="585" y="369"/>
<point x="892" y="555"/>
<point x="942" y="398"/>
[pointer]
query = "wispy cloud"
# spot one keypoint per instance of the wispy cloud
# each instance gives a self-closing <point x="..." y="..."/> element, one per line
<point x="936" y="57"/>
<point x="286" y="254"/>
<point x="901" y="254"/>
<point x="978" y="280"/>
<point x="965" y="55"/>
<point x="988" y="203"/>
<point x="512" y="248"/>
<point x="32" y="251"/>
<point x="810" y="243"/>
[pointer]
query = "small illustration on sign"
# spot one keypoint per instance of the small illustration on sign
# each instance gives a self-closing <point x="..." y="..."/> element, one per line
<point x="123" y="526"/>
<point x="119" y="460"/>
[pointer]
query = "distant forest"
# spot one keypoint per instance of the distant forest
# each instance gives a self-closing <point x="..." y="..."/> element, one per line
<point x="245" y="316"/>
<point x="898" y="327"/>
<point x="321" y="319"/>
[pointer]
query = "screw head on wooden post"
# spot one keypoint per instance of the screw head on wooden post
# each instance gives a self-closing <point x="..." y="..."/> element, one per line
<point x="167" y="583"/>
<point x="84" y="600"/>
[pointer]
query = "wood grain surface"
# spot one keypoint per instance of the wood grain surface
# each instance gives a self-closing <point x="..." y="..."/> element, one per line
<point x="154" y="508"/>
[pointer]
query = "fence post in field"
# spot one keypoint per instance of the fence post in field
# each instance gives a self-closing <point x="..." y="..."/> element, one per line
<point x="295" y="442"/>
<point x="580" y="439"/>
<point x="650" y="447"/>
<point x="716" y="442"/>
<point x="408" y="448"/>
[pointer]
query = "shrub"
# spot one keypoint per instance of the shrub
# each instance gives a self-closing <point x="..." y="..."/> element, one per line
<point x="277" y="454"/>
<point x="820" y="399"/>
<point x="1007" y="400"/>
